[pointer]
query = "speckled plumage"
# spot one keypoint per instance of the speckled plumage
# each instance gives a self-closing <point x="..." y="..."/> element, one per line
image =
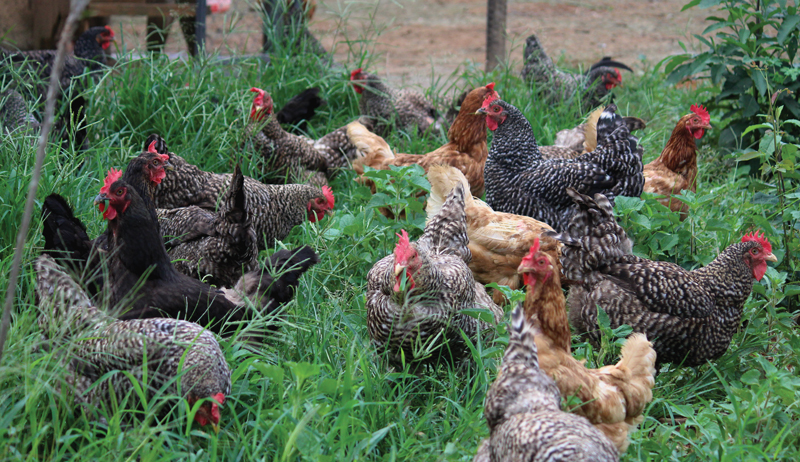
<point x="690" y="316"/>
<point x="413" y="321"/>
<point x="273" y="209"/>
<point x="215" y="246"/>
<point x="14" y="113"/>
<point x="557" y="85"/>
<point x="519" y="181"/>
<point x="523" y="411"/>
<point x="384" y="109"/>
<point x="102" y="344"/>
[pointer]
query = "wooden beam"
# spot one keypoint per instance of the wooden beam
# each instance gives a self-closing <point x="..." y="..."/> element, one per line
<point x="140" y="9"/>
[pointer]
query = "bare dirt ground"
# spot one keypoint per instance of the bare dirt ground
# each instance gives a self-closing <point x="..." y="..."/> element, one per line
<point x="416" y="40"/>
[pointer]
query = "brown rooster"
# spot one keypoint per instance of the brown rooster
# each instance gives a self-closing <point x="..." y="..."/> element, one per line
<point x="523" y="411"/>
<point x="689" y="315"/>
<point x="676" y="168"/>
<point x="416" y="296"/>
<point x="178" y="355"/>
<point x="384" y="108"/>
<point x="497" y="240"/>
<point x="286" y="158"/>
<point x="466" y="148"/>
<point x="613" y="397"/>
<point x="273" y="209"/>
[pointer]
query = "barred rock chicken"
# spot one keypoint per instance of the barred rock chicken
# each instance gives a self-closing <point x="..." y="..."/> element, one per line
<point x="466" y="148"/>
<point x="286" y="158"/>
<point x="273" y="209"/>
<point x="497" y="241"/>
<point x="571" y="143"/>
<point x="164" y="348"/>
<point x="558" y="85"/>
<point x="14" y="114"/>
<point x="689" y="315"/>
<point x="142" y="279"/>
<point x="676" y="168"/>
<point x="416" y="295"/>
<point x="613" y="397"/>
<point x="519" y="181"/>
<point x="384" y="108"/>
<point x="523" y="411"/>
<point x="220" y="244"/>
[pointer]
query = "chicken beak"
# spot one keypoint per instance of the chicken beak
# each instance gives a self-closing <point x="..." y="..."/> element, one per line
<point x="215" y="426"/>
<point x="481" y="111"/>
<point x="771" y="257"/>
<point x="398" y="270"/>
<point x="708" y="127"/>
<point x="169" y="167"/>
<point x="101" y="198"/>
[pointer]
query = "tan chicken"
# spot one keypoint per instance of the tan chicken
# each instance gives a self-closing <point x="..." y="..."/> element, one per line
<point x="676" y="168"/>
<point x="615" y="396"/>
<point x="497" y="240"/>
<point x="466" y="148"/>
<point x="571" y="143"/>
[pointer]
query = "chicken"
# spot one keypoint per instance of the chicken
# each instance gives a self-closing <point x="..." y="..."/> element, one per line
<point x="300" y="109"/>
<point x="689" y="315"/>
<point x="519" y="181"/>
<point x="466" y="148"/>
<point x="142" y="279"/>
<point x="416" y="296"/>
<point x="523" y="411"/>
<point x="65" y="235"/>
<point x="571" y="143"/>
<point x="557" y="85"/>
<point x="222" y="245"/>
<point x="497" y="241"/>
<point x="89" y="54"/>
<point x="676" y="168"/>
<point x="175" y="355"/>
<point x="346" y="144"/>
<point x="14" y="114"/>
<point x="285" y="158"/>
<point x="384" y="108"/>
<point x="273" y="209"/>
<point x="613" y="397"/>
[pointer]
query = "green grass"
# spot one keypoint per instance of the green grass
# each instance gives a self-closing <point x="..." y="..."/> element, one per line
<point x="318" y="391"/>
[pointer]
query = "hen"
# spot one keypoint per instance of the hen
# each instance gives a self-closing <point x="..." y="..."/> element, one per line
<point x="613" y="397"/>
<point x="346" y="144"/>
<point x="285" y="158"/>
<point x="676" y="168"/>
<point x="219" y="244"/>
<point x="14" y="113"/>
<point x="557" y="85"/>
<point x="384" y="108"/>
<point x="520" y="181"/>
<point x="273" y="209"/>
<point x="689" y="315"/>
<point x="523" y="411"/>
<point x="172" y="354"/>
<point x="416" y="297"/>
<point x="497" y="241"/>
<point x="573" y="142"/>
<point x="466" y="148"/>
<point x="141" y="277"/>
<point x="300" y="109"/>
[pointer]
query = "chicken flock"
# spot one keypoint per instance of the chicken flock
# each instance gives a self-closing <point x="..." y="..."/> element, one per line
<point x="180" y="261"/>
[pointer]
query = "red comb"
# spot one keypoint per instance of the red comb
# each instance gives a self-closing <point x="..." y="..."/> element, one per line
<point x="152" y="148"/>
<point x="112" y="176"/>
<point x="164" y="157"/>
<point x="702" y="112"/>
<point x="755" y="236"/>
<point x="403" y="250"/>
<point x="220" y="398"/>
<point x="110" y="30"/>
<point x="490" y="98"/>
<point x="490" y="86"/>
<point x="528" y="259"/>
<point x="355" y="73"/>
<point x="328" y="193"/>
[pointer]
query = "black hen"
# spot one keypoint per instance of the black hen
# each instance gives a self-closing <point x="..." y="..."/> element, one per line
<point x="301" y="108"/>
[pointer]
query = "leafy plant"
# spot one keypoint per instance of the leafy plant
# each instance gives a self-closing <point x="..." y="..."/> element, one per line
<point x="753" y="55"/>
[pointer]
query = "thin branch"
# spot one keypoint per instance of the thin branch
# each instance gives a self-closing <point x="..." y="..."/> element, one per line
<point x="76" y="8"/>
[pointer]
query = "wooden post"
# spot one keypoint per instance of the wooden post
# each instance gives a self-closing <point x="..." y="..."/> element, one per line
<point x="200" y="26"/>
<point x="495" y="33"/>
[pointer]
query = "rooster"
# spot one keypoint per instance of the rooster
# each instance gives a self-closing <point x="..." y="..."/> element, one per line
<point x="689" y="315"/>
<point x="177" y="355"/>
<point x="676" y="168"/>
<point x="523" y="411"/>
<point x="142" y="279"/>
<point x="466" y="148"/>
<point x="384" y="108"/>
<point x="613" y="397"/>
<point x="273" y="209"/>
<point x="557" y="85"/>
<point x="416" y="296"/>
<point x="222" y="245"/>
<point x="519" y="181"/>
<point x="286" y="158"/>
<point x="497" y="241"/>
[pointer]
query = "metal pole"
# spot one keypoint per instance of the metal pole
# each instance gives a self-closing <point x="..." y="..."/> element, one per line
<point x="200" y="26"/>
<point x="495" y="33"/>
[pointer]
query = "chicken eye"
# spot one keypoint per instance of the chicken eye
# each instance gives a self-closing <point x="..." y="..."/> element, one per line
<point x="754" y="251"/>
<point x="119" y="192"/>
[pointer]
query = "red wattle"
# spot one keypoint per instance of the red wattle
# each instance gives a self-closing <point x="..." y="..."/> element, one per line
<point x="759" y="270"/>
<point x="698" y="133"/>
<point x="491" y="123"/>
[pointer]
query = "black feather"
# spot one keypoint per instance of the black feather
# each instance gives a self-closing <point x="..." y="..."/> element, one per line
<point x="608" y="62"/>
<point x="300" y="108"/>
